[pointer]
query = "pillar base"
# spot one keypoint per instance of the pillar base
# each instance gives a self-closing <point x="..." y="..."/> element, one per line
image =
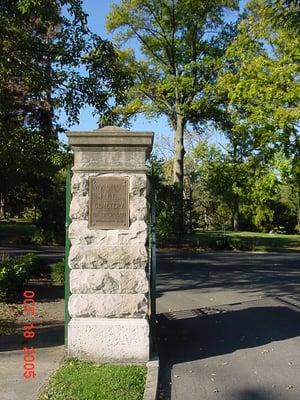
<point x="106" y="340"/>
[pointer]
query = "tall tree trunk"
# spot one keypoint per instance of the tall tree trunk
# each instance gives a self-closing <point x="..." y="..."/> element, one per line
<point x="235" y="211"/>
<point x="235" y="215"/>
<point x="2" y="208"/>
<point x="178" y="174"/>
<point x="178" y="169"/>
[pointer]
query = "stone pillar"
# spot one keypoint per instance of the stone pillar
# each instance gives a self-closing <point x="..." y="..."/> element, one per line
<point x="108" y="259"/>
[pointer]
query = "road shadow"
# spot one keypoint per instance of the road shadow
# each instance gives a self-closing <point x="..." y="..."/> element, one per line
<point x="50" y="334"/>
<point x="253" y="394"/>
<point x="272" y="274"/>
<point x="190" y="335"/>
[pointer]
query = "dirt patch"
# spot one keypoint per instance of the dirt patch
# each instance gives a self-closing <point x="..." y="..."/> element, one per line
<point x="49" y="308"/>
<point x="9" y="313"/>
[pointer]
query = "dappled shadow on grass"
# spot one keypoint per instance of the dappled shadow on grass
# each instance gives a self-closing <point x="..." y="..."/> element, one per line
<point x="258" y="241"/>
<point x="209" y="272"/>
<point x="190" y="335"/>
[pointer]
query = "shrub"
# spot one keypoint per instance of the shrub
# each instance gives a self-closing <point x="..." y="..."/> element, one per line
<point x="39" y="237"/>
<point x="239" y="244"/>
<point x="38" y="265"/>
<point x="58" y="272"/>
<point x="51" y="220"/>
<point x="214" y="242"/>
<point x="14" y="275"/>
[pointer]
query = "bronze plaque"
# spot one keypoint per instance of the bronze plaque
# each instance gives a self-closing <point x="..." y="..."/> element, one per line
<point x="109" y="203"/>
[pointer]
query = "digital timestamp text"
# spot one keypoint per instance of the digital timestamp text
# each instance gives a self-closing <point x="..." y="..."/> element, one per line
<point x="29" y="335"/>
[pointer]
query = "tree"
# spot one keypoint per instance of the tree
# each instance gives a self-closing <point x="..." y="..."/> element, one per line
<point x="284" y="13"/>
<point x="222" y="177"/>
<point x="49" y="61"/>
<point x="262" y="187"/>
<point x="259" y="89"/>
<point x="181" y="42"/>
<point x="258" y="84"/>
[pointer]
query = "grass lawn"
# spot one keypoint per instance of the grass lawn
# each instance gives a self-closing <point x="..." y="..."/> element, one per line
<point x="77" y="380"/>
<point x="12" y="232"/>
<point x="253" y="240"/>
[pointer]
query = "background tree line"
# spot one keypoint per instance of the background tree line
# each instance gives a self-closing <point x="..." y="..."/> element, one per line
<point x="238" y="76"/>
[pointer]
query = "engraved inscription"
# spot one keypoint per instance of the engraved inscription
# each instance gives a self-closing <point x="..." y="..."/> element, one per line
<point x="109" y="203"/>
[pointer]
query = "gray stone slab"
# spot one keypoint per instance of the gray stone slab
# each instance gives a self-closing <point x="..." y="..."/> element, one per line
<point x="13" y="386"/>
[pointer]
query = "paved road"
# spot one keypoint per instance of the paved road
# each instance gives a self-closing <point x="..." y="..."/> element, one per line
<point x="50" y="253"/>
<point x="229" y="326"/>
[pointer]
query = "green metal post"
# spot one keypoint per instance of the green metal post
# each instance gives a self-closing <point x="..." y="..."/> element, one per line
<point x="152" y="250"/>
<point x="67" y="251"/>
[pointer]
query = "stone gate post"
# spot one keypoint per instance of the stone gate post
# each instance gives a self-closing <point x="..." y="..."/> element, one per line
<point x="108" y="258"/>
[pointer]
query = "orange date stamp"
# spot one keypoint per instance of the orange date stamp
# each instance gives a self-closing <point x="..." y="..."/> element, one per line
<point x="29" y="334"/>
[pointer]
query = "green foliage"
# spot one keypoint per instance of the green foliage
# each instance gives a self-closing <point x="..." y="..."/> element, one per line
<point x="239" y="244"/>
<point x="222" y="186"/>
<point x="258" y="83"/>
<point x="284" y="13"/>
<point x="215" y="242"/>
<point x="36" y="263"/>
<point x="58" y="272"/>
<point x="51" y="222"/>
<point x="14" y="275"/>
<point x="79" y="380"/>
<point x="181" y="44"/>
<point x="285" y="216"/>
<point x="49" y="61"/>
<point x="164" y="201"/>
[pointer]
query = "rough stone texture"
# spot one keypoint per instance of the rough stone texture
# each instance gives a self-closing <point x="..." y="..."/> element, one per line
<point x="138" y="209"/>
<point x="136" y="235"/>
<point x="79" y="208"/>
<point x="108" y="305"/>
<point x="108" y="256"/>
<point x="119" y="340"/>
<point x="108" y="281"/>
<point x="80" y="184"/>
<point x="138" y="184"/>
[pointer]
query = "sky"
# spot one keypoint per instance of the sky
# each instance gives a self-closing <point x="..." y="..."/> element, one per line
<point x="97" y="11"/>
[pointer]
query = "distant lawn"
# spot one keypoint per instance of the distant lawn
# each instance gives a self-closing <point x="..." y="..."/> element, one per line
<point x="250" y="240"/>
<point x="16" y="232"/>
<point x="77" y="380"/>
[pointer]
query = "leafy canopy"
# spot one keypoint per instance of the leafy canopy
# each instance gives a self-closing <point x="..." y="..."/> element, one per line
<point x="180" y="43"/>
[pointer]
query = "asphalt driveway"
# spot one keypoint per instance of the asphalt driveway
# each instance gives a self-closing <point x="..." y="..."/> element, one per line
<point x="229" y="326"/>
